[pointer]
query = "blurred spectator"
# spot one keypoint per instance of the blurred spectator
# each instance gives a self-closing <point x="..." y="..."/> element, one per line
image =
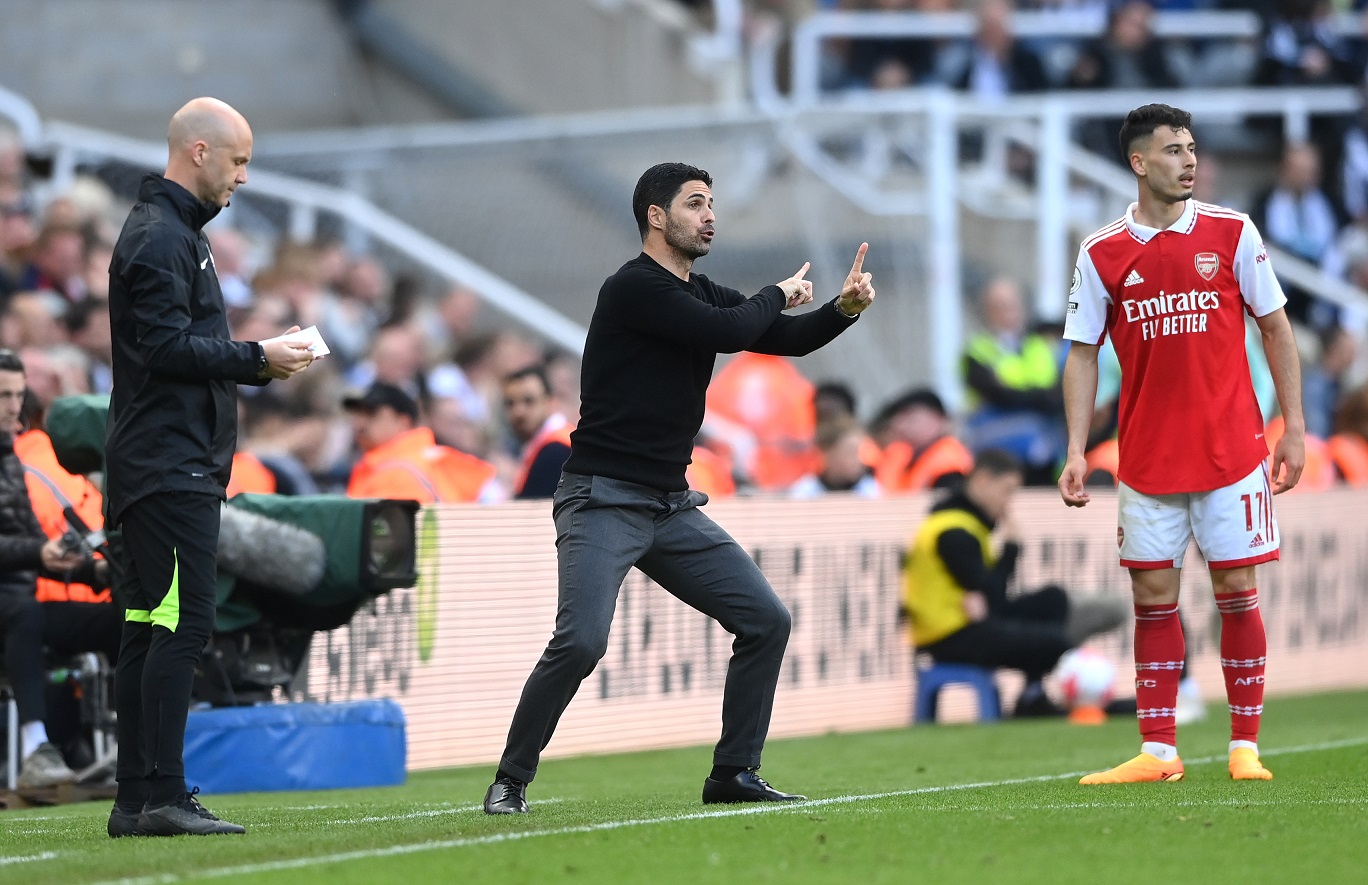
<point x="87" y="324"/>
<point x="541" y="430"/>
<point x="921" y="453"/>
<point x="476" y="373"/>
<point x="1321" y="382"/>
<point x="1348" y="448"/>
<point x="770" y="400"/>
<point x="1354" y="165"/>
<point x="883" y="63"/>
<point x="396" y="357"/>
<point x="349" y="319"/>
<point x="1297" y="216"/>
<point x="1301" y="47"/>
<point x="1128" y="56"/>
<point x="33" y="319"/>
<point x="451" y="320"/>
<point x="451" y="426"/>
<point x="57" y="262"/>
<point x="229" y="249"/>
<point x="841" y="470"/>
<point x="563" y="371"/>
<point x="994" y="65"/>
<point x="401" y="459"/>
<point x="95" y="268"/>
<point x="12" y="171"/>
<point x="1013" y="376"/>
<point x="16" y="237"/>
<point x="833" y="401"/>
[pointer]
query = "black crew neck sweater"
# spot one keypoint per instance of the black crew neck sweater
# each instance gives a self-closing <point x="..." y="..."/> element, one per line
<point x="648" y="358"/>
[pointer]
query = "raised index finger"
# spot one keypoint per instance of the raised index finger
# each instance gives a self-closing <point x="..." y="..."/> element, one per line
<point x="802" y="270"/>
<point x="859" y="259"/>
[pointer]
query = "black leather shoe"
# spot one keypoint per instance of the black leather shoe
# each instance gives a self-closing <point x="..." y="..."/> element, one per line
<point x="123" y="823"/>
<point x="745" y="787"/>
<point x="506" y="796"/>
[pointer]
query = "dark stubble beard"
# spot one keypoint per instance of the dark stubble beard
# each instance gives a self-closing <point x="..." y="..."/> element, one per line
<point x="684" y="241"/>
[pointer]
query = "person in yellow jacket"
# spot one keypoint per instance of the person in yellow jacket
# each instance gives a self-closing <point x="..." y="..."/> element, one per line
<point x="955" y="588"/>
<point x="402" y="460"/>
<point x="1016" y="400"/>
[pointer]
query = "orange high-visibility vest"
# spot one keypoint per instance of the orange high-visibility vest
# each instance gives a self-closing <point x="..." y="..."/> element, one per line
<point x="51" y="489"/>
<point x="1104" y="457"/>
<point x="1349" y="452"/>
<point x="710" y="474"/>
<point x="250" y="475"/>
<point x="769" y="396"/>
<point x="902" y="470"/>
<point x="413" y="466"/>
<point x="553" y="431"/>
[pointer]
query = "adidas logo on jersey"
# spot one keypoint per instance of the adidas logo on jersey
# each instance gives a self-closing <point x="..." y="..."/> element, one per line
<point x="1133" y="279"/>
<point x="1257" y="542"/>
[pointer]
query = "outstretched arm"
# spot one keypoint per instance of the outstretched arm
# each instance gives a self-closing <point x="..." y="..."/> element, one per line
<point x="799" y="336"/>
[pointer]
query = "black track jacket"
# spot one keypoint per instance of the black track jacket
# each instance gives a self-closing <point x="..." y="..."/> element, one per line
<point x="173" y="407"/>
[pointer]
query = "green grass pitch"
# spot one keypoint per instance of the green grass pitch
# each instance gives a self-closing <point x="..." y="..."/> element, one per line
<point x="980" y="804"/>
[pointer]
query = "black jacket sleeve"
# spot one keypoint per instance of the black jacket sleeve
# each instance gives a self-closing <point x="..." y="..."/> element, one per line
<point x="545" y="471"/>
<point x="21" y="552"/>
<point x="159" y="297"/>
<point x="801" y="335"/>
<point x="653" y="305"/>
<point x="963" y="558"/>
<point x="984" y="381"/>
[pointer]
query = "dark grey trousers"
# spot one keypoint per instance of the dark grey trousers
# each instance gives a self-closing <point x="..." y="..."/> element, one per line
<point x="603" y="528"/>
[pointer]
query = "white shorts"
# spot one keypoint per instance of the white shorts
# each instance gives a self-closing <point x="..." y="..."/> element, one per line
<point x="1234" y="525"/>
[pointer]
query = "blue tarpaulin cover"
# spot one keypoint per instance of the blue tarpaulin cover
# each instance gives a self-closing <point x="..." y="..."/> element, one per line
<point x="297" y="746"/>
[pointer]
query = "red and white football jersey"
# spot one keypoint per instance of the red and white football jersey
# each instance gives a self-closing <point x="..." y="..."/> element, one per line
<point x="1174" y="303"/>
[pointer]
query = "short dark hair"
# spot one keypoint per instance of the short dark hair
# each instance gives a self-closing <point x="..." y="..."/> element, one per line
<point x="997" y="462"/>
<point x="1141" y="123"/>
<point x="837" y="390"/>
<point x="9" y="361"/>
<point x="658" y="186"/>
<point x="921" y="397"/>
<point x="538" y="372"/>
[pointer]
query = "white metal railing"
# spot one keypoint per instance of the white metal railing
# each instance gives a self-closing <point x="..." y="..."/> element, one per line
<point x="72" y="145"/>
<point x="1083" y="23"/>
<point x="23" y="115"/>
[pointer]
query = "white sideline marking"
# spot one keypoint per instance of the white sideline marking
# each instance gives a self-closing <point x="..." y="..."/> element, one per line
<point x="46" y="855"/>
<point x="766" y="808"/>
<point x="445" y="808"/>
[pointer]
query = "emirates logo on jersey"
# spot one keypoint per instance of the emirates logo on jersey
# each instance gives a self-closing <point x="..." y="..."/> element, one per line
<point x="1208" y="263"/>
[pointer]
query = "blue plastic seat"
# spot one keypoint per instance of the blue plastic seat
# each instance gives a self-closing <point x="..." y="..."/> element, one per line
<point x="930" y="681"/>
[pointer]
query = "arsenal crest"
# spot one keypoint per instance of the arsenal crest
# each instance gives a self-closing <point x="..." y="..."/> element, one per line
<point x="1207" y="264"/>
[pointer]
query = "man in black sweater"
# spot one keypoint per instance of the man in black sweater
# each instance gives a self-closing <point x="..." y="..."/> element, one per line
<point x="623" y="500"/>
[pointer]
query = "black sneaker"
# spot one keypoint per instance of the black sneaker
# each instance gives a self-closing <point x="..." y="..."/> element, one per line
<point x="184" y="816"/>
<point x="123" y="823"/>
<point x="506" y="796"/>
<point x="745" y="787"/>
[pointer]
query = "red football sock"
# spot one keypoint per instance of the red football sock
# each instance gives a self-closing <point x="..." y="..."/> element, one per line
<point x="1244" y="649"/>
<point x="1158" y="667"/>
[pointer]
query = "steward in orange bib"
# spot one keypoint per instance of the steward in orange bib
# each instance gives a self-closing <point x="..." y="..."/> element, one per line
<point x="51" y="489"/>
<point x="543" y="432"/>
<point x="404" y="461"/>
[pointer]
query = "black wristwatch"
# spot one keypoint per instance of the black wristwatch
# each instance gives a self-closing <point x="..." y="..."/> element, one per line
<point x="263" y="367"/>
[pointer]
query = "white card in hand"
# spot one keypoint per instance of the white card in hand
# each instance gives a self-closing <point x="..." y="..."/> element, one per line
<point x="310" y="336"/>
